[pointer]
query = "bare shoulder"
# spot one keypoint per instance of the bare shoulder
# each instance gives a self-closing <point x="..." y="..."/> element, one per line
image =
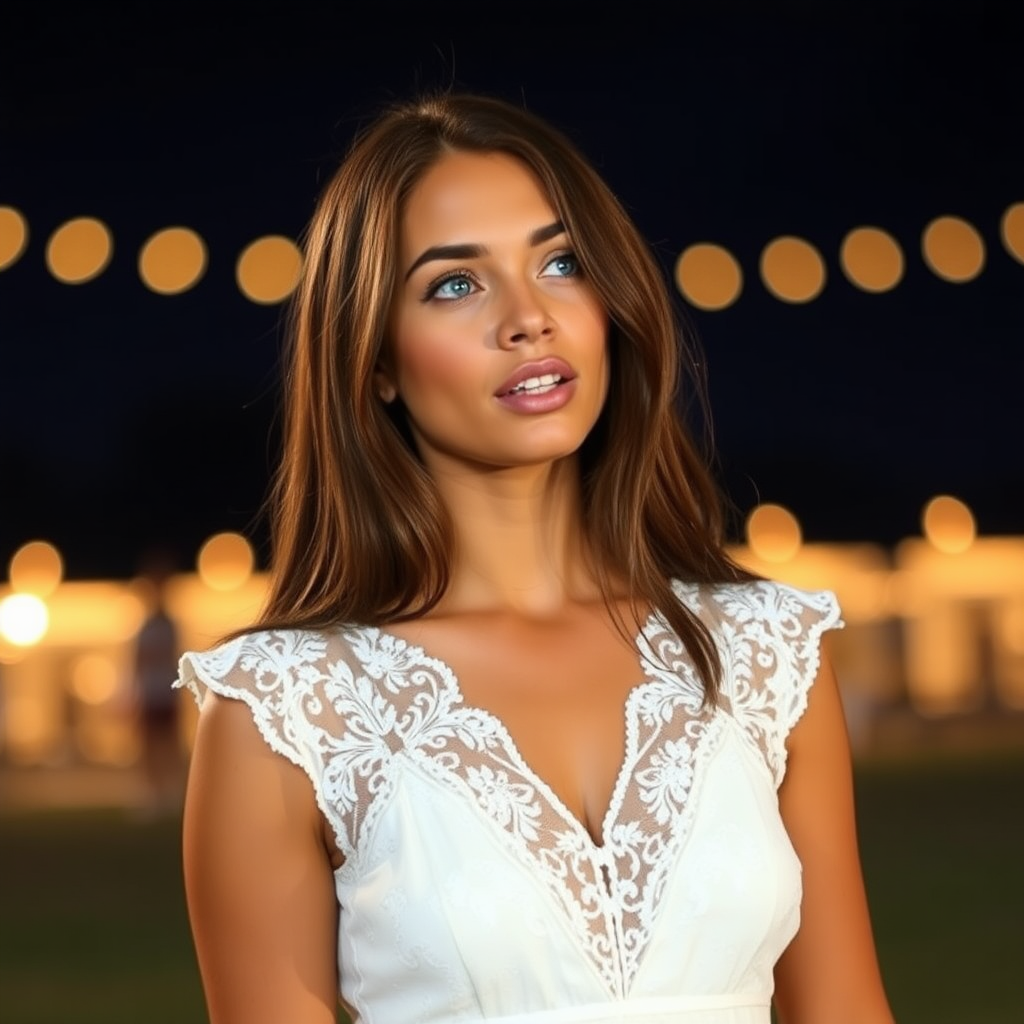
<point x="822" y="727"/>
<point x="239" y="785"/>
<point x="258" y="877"/>
<point x="830" y="971"/>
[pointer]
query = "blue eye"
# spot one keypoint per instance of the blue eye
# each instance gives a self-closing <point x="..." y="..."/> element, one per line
<point x="563" y="265"/>
<point x="455" y="286"/>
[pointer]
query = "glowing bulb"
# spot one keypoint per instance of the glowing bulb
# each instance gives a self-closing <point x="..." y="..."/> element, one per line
<point x="225" y="561"/>
<point x="24" y="619"/>
<point x="709" y="276"/>
<point x="792" y="269"/>
<point x="172" y="260"/>
<point x="773" y="533"/>
<point x="1012" y="230"/>
<point x="36" y="568"/>
<point x="94" y="679"/>
<point x="79" y="250"/>
<point x="948" y="524"/>
<point x="268" y="269"/>
<point x="953" y="249"/>
<point x="872" y="259"/>
<point x="13" y="236"/>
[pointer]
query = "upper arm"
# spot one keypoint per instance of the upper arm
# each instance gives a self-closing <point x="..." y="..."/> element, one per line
<point x="258" y="878"/>
<point x="830" y="970"/>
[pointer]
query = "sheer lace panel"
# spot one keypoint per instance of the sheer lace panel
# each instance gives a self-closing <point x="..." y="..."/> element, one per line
<point x="769" y="638"/>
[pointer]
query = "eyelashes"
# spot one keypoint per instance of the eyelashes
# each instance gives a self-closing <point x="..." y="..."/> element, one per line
<point x="460" y="283"/>
<point x="567" y="258"/>
<point x="451" y="280"/>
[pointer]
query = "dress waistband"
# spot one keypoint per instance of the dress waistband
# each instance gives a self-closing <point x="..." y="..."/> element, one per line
<point x="681" y="1009"/>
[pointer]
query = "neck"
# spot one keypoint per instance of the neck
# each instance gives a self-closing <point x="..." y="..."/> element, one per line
<point x="519" y="542"/>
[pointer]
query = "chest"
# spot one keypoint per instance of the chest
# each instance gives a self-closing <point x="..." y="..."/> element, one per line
<point x="559" y="689"/>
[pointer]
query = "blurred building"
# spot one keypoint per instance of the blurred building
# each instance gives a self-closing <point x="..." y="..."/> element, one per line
<point x="934" y="633"/>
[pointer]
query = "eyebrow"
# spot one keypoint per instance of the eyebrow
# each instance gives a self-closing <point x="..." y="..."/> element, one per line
<point x="472" y="250"/>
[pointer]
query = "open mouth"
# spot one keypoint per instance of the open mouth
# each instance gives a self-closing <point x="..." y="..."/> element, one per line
<point x="537" y="385"/>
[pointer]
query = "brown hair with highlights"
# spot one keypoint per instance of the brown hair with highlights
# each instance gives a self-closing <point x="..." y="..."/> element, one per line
<point x="359" y="531"/>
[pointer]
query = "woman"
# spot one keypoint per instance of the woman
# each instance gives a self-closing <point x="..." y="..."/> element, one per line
<point x="506" y="741"/>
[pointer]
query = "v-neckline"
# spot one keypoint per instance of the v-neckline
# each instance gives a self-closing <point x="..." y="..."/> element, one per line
<point x="450" y="679"/>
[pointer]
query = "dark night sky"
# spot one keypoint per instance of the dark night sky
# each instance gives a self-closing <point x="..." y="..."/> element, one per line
<point x="128" y="417"/>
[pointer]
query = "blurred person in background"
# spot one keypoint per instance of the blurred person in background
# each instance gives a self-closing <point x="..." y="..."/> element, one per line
<point x="156" y="704"/>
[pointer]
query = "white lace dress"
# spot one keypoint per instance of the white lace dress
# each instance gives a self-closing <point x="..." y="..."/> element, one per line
<point x="470" y="893"/>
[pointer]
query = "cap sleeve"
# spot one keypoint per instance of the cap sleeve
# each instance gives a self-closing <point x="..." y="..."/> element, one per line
<point x="280" y="676"/>
<point x="771" y="636"/>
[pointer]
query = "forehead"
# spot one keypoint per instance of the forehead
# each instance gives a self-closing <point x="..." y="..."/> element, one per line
<point x="464" y="197"/>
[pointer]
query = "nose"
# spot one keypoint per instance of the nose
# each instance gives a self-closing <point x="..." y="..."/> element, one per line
<point x="524" y="318"/>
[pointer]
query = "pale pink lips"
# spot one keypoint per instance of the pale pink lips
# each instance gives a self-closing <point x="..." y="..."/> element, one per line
<point x="539" y="368"/>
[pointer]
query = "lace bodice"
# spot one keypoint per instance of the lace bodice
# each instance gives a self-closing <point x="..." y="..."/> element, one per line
<point x="469" y="892"/>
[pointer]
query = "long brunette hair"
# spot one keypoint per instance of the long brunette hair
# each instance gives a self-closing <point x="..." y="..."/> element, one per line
<point x="359" y="531"/>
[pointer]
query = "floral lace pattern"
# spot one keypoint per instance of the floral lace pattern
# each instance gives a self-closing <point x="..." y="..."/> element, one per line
<point x="770" y="638"/>
<point x="351" y="706"/>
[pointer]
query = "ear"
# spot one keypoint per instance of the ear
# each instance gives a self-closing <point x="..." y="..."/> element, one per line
<point x="384" y="385"/>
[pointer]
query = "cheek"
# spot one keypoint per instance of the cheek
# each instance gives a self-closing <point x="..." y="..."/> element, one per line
<point x="597" y="329"/>
<point x="430" y="363"/>
<point x="592" y="319"/>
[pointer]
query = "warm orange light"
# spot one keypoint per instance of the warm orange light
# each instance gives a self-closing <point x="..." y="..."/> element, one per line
<point x="172" y="260"/>
<point x="708" y="276"/>
<point x="1010" y="626"/>
<point x="28" y="721"/>
<point x="268" y="269"/>
<point x="24" y="619"/>
<point x="13" y="236"/>
<point x="79" y="250"/>
<point x="948" y="524"/>
<point x="36" y="568"/>
<point x="953" y="249"/>
<point x="792" y="269"/>
<point x="872" y="259"/>
<point x="94" y="678"/>
<point x="1011" y="228"/>
<point x="225" y="561"/>
<point x="9" y="654"/>
<point x="773" y="533"/>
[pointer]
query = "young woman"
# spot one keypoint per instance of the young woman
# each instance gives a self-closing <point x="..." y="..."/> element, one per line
<point x="514" y="739"/>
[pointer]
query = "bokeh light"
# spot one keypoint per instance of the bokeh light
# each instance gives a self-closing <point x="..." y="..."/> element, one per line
<point x="172" y="260"/>
<point x="792" y="269"/>
<point x="79" y="250"/>
<point x="948" y="524"/>
<point x="773" y="533"/>
<point x="225" y="561"/>
<point x="1011" y="230"/>
<point x="708" y="276"/>
<point x="24" y="619"/>
<point x="9" y="654"/>
<point x="268" y="269"/>
<point x="953" y="249"/>
<point x="94" y="678"/>
<point x="872" y="259"/>
<point x="13" y="236"/>
<point x="126" y="613"/>
<point x="36" y="568"/>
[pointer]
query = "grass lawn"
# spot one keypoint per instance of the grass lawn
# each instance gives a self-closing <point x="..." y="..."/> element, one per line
<point x="942" y="842"/>
<point x="93" y="927"/>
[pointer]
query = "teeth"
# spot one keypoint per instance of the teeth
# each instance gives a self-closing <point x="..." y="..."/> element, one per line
<point x="539" y="385"/>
